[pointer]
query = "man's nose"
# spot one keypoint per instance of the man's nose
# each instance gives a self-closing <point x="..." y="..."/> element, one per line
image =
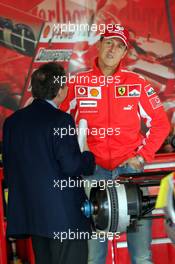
<point x="113" y="47"/>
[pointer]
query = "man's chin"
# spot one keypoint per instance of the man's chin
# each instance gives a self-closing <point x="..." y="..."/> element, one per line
<point x="111" y="64"/>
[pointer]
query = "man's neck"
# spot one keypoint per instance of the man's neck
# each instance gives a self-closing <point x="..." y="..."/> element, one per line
<point x="106" y="70"/>
<point x="56" y="101"/>
<point x="52" y="102"/>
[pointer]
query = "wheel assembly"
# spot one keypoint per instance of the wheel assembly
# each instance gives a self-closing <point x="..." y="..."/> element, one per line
<point x="114" y="208"/>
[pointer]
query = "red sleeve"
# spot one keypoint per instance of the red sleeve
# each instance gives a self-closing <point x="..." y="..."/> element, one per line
<point x="152" y="111"/>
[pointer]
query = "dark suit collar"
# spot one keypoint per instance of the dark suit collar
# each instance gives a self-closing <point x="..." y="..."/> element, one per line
<point x="42" y="102"/>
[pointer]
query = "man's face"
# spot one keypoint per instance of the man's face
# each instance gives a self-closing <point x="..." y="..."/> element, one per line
<point x="63" y="93"/>
<point x="111" y="51"/>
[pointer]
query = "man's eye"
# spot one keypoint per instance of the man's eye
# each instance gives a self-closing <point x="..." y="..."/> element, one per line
<point x="109" y="42"/>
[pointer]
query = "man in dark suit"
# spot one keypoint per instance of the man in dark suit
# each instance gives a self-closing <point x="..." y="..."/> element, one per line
<point x="38" y="157"/>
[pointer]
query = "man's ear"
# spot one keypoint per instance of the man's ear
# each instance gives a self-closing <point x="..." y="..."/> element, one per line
<point x="59" y="92"/>
<point x="58" y="97"/>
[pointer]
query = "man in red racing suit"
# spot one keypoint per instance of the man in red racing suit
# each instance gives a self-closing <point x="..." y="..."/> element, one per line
<point x="114" y="101"/>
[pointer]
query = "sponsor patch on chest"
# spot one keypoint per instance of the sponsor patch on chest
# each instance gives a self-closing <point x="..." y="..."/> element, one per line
<point x="129" y="90"/>
<point x="91" y="92"/>
<point x="149" y="90"/>
<point x="155" y="102"/>
<point x="128" y="107"/>
<point x="88" y="103"/>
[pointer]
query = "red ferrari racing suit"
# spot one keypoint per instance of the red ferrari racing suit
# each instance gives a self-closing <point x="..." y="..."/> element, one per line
<point x="113" y="107"/>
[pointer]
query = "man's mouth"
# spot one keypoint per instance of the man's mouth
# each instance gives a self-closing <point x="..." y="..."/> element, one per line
<point x="110" y="56"/>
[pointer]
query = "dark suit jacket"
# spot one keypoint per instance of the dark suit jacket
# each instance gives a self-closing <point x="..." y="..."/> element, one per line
<point x="35" y="158"/>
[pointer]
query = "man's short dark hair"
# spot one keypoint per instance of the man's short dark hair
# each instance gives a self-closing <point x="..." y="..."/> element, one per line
<point x="47" y="80"/>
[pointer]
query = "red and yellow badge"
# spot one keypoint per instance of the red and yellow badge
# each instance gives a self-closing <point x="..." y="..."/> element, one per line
<point x="121" y="91"/>
<point x="94" y="92"/>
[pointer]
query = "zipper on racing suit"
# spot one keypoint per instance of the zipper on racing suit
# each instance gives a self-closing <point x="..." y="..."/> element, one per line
<point x="109" y="118"/>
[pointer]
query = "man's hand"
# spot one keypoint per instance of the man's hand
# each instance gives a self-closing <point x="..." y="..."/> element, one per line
<point x="133" y="163"/>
